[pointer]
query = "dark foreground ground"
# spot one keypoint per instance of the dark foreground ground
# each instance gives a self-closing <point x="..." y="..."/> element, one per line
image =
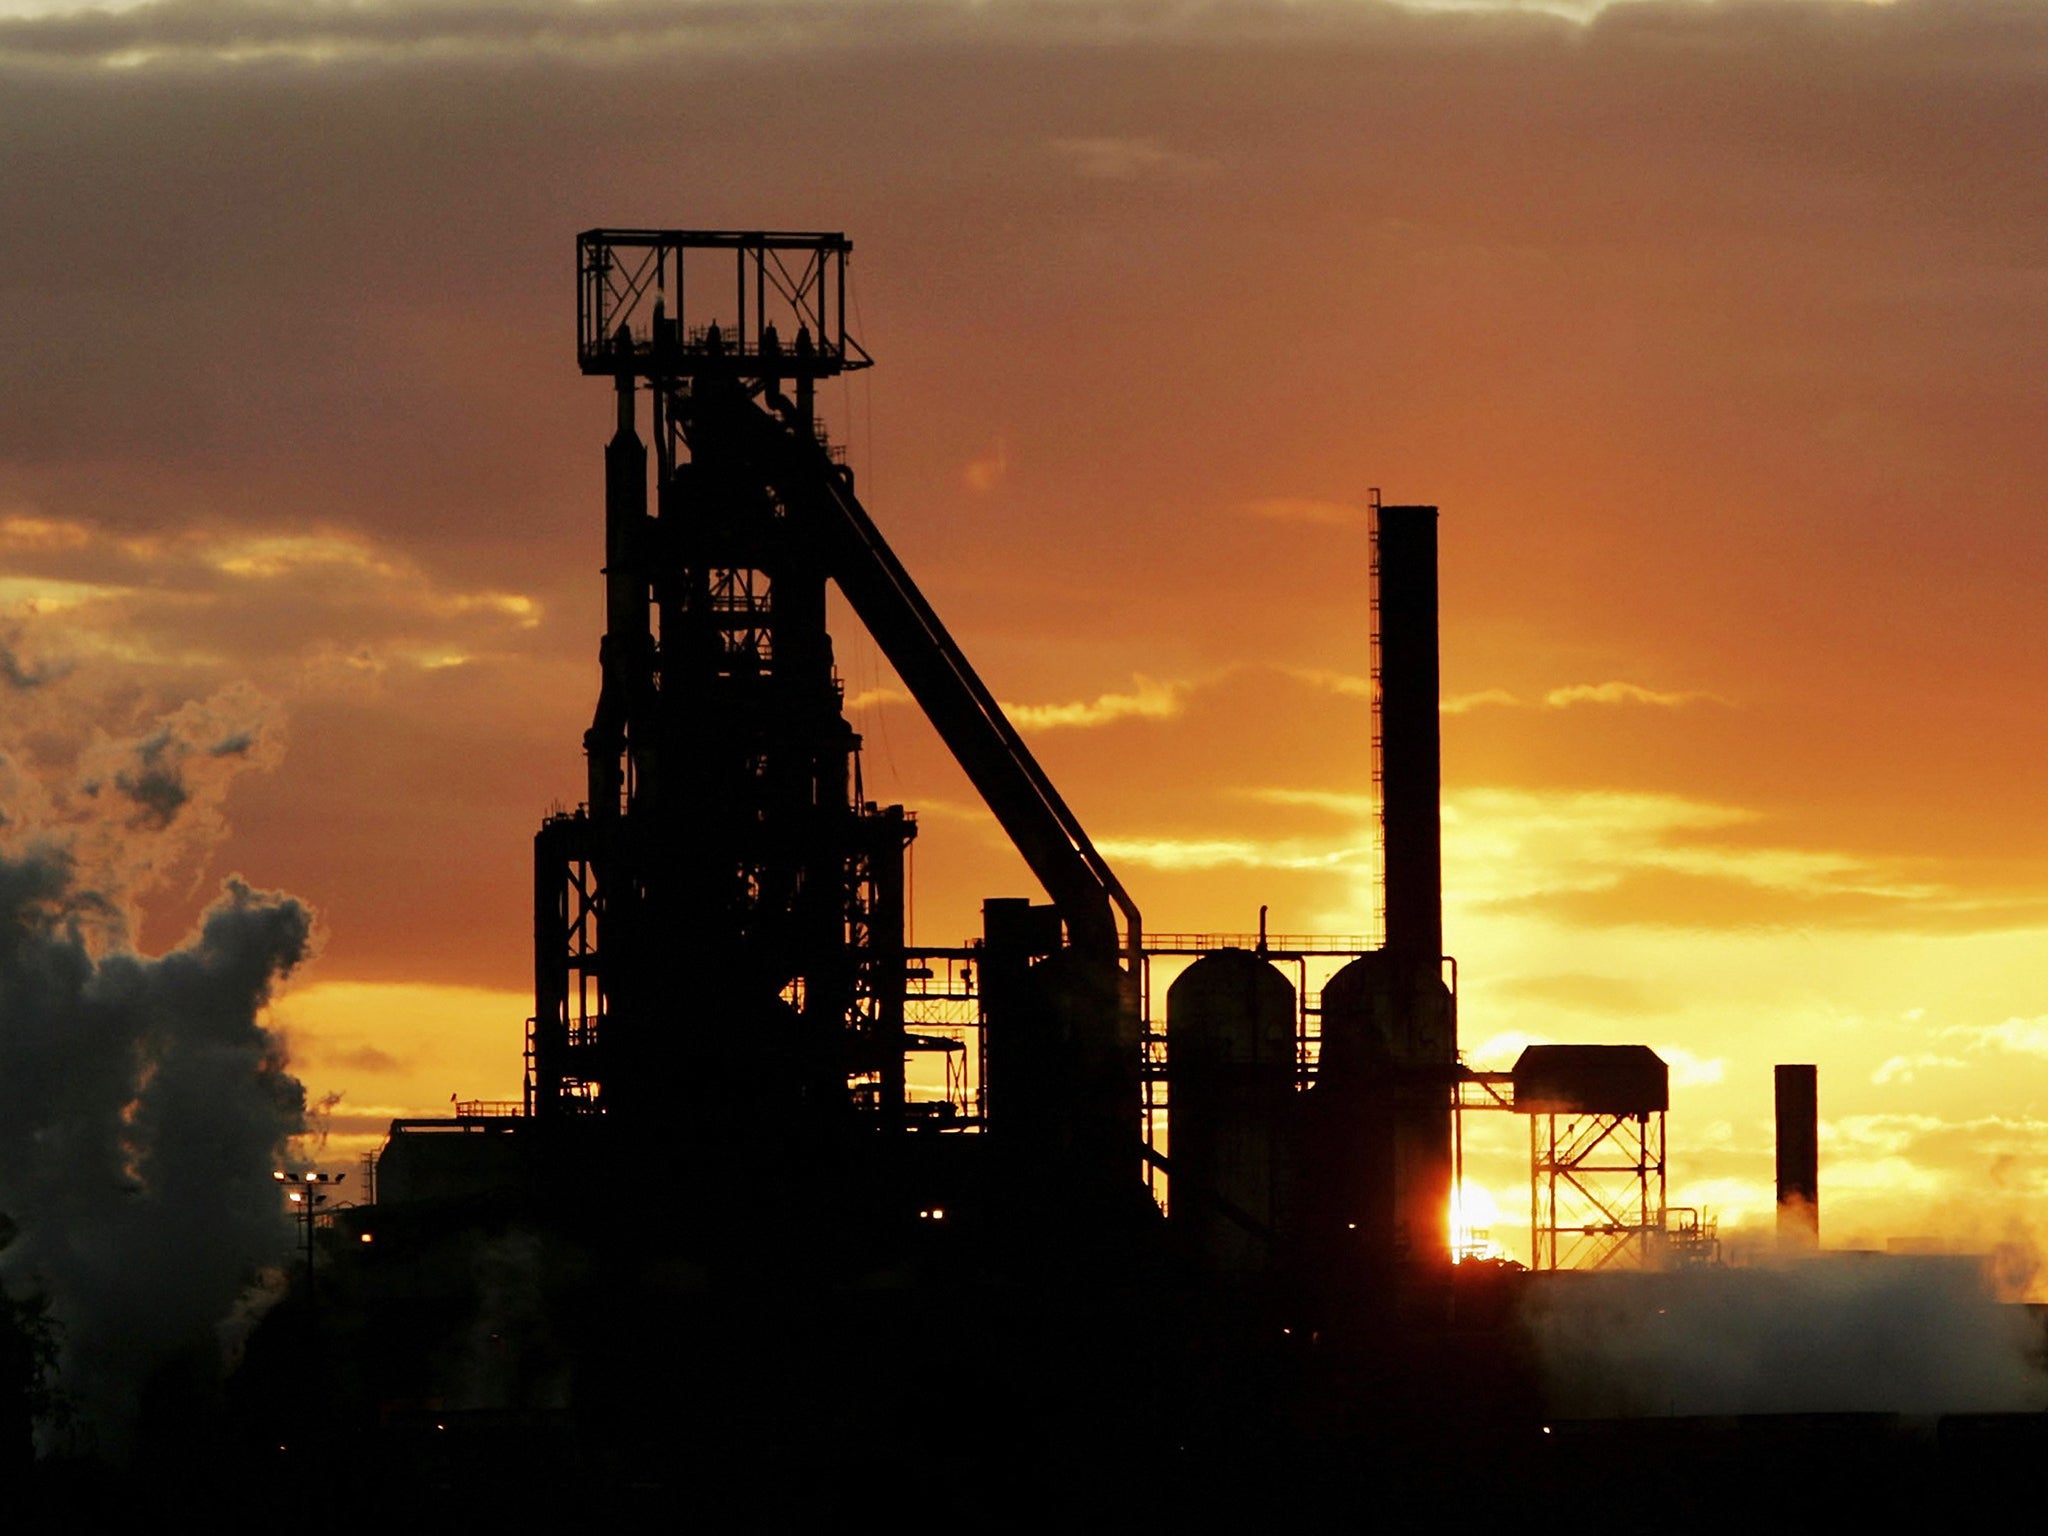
<point x="496" y="1376"/>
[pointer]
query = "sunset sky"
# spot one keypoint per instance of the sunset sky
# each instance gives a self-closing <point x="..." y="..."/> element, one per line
<point x="1719" y="332"/>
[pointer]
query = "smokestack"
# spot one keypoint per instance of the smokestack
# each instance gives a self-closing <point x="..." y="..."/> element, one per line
<point x="1798" y="1157"/>
<point x="1411" y="764"/>
<point x="1389" y="1033"/>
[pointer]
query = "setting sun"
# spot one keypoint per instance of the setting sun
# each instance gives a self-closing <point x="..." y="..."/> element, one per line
<point x="1474" y="1214"/>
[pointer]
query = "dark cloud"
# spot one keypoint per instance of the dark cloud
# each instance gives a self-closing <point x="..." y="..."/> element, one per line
<point x="154" y="783"/>
<point x="155" y="777"/>
<point x="23" y="676"/>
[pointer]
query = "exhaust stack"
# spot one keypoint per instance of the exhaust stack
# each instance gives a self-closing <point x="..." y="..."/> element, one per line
<point x="1389" y="1047"/>
<point x="1412" y="757"/>
<point x="1798" y="1157"/>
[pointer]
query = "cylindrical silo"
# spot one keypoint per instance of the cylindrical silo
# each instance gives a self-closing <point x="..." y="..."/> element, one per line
<point x="1380" y="1112"/>
<point x="1230" y="1041"/>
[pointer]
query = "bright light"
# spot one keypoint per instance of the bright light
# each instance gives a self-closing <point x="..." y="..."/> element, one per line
<point x="296" y="1197"/>
<point x="1474" y="1212"/>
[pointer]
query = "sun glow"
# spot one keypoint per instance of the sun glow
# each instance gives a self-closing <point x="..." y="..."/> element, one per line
<point x="1474" y="1215"/>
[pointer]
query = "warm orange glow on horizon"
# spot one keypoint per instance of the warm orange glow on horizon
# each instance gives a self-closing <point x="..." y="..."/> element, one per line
<point x="1739" y="457"/>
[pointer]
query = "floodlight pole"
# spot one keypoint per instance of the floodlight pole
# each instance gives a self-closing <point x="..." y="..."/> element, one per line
<point x="307" y="1194"/>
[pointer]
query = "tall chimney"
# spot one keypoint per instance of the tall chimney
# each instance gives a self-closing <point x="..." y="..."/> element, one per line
<point x="1411" y="763"/>
<point x="1798" y="1157"/>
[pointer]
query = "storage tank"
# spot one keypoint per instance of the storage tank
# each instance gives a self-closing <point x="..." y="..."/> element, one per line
<point x="1063" y="1062"/>
<point x="1380" y="1113"/>
<point x="1230" y="1041"/>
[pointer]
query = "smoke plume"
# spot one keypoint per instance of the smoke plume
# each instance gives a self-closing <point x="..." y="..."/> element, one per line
<point x="143" y="1105"/>
<point x="1841" y="1333"/>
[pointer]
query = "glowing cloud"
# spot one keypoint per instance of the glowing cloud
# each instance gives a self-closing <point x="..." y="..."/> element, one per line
<point x="2023" y="1037"/>
<point x="197" y="596"/>
<point x="276" y="555"/>
<point x="1229" y="853"/>
<point x="984" y="474"/>
<point x="1689" y="1070"/>
<point x="1149" y="700"/>
<point x="1903" y="1069"/>
<point x="1498" y="1052"/>
<point x="43" y="534"/>
<point x="1337" y="802"/>
<point x="1620" y="693"/>
<point x="34" y="596"/>
<point x="1465" y="703"/>
<point x="1518" y="846"/>
<point x="1613" y="693"/>
<point x="1346" y="685"/>
<point x="1302" y="509"/>
<point x="1128" y="159"/>
<point x="883" y="697"/>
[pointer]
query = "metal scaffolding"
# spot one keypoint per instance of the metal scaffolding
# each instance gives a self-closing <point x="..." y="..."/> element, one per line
<point x="1596" y="1189"/>
<point x="1596" y="1156"/>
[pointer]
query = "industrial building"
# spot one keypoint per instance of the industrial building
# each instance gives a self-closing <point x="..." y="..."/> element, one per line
<point x="1182" y="1253"/>
<point x="721" y="981"/>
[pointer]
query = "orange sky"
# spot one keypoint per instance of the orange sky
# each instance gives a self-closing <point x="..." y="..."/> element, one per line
<point x="1720" y="333"/>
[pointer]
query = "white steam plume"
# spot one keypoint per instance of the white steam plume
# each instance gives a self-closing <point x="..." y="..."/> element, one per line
<point x="1837" y="1334"/>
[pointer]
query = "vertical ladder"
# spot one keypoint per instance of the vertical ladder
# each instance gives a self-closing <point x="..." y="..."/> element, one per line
<point x="1379" y="767"/>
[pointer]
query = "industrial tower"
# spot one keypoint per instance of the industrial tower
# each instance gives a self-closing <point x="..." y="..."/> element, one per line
<point x="721" y="975"/>
<point x="719" y="930"/>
